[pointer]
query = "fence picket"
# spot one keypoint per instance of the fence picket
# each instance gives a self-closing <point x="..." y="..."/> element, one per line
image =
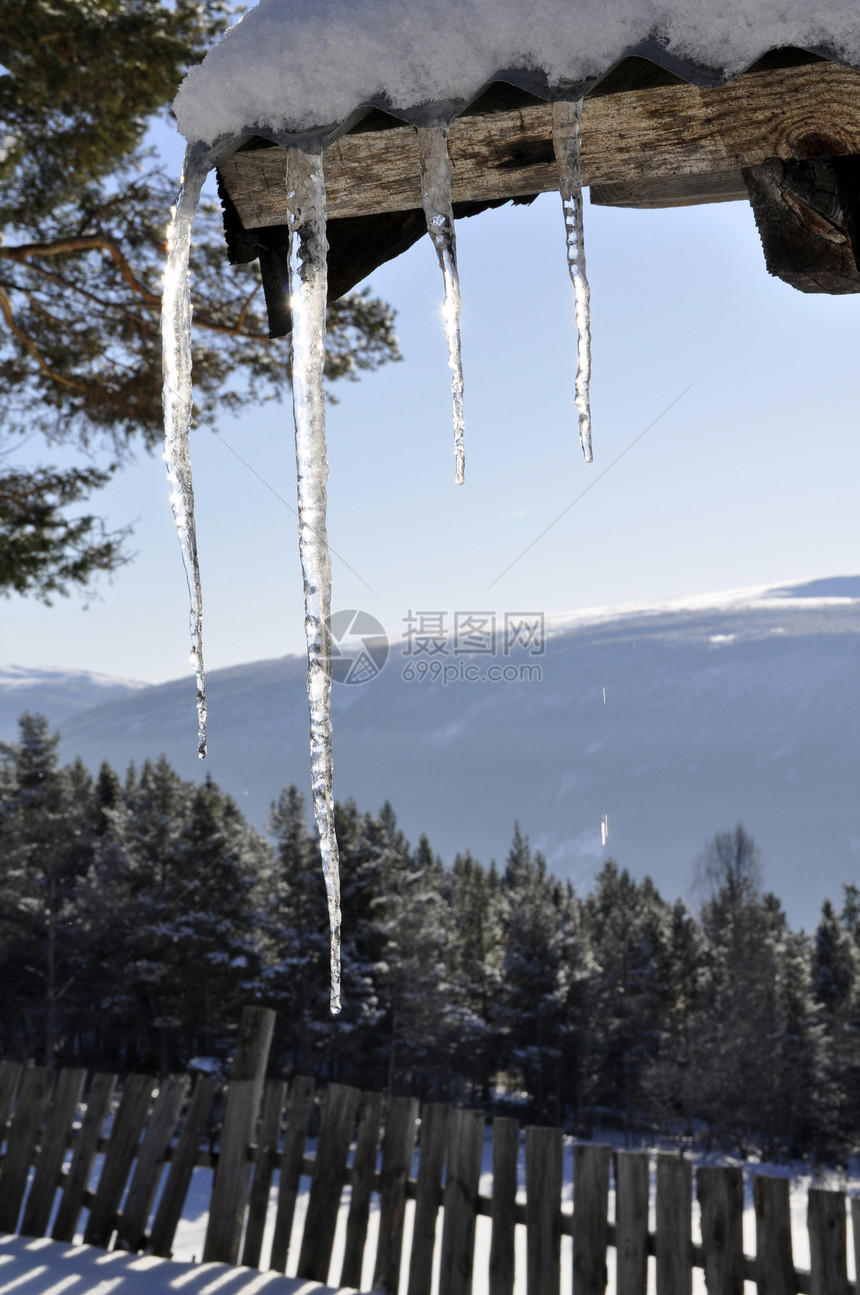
<point x="428" y="1196"/>
<point x="363" y="1173"/>
<point x="264" y="1170"/>
<point x="33" y="1098"/>
<point x="632" y="1171"/>
<point x="10" y="1078"/>
<point x="590" y="1217"/>
<point x="506" y="1149"/>
<point x="398" y="1149"/>
<point x="463" y="1172"/>
<point x="855" y="1227"/>
<point x="119" y="1157"/>
<point x="543" y="1210"/>
<point x="151" y="1158"/>
<point x="720" y="1192"/>
<point x="674" y="1225"/>
<point x="99" y="1098"/>
<point x="338" y="1122"/>
<point x="182" y="1167"/>
<point x="827" y="1242"/>
<point x="774" y="1265"/>
<point x="299" y="1107"/>
<point x="241" y="1109"/>
<point x="52" y="1152"/>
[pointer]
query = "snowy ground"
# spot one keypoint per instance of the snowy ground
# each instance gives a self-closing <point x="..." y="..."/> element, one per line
<point x="42" y="1267"/>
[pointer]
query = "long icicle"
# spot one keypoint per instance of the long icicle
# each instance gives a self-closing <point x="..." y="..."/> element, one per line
<point x="436" y="196"/>
<point x="306" y="216"/>
<point x="567" y="143"/>
<point x="177" y="399"/>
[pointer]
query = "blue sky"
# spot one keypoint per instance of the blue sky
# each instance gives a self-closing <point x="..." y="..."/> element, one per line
<point x="750" y="477"/>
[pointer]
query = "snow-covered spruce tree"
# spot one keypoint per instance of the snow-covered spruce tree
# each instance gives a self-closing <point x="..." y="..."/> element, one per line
<point x="83" y="211"/>
<point x="473" y="959"/>
<point x="44" y="847"/>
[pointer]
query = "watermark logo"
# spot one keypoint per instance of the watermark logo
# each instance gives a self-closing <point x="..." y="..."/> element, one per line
<point x="359" y="647"/>
<point x="472" y="647"/>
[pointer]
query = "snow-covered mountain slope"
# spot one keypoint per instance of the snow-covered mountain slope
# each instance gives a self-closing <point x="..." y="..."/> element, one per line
<point x="55" y="693"/>
<point x="676" y="720"/>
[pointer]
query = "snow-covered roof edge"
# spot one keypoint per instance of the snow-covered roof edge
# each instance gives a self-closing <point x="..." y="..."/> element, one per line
<point x="295" y="70"/>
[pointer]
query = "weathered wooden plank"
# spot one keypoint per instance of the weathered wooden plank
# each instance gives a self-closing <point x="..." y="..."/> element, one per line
<point x="299" y="1109"/>
<point x="52" y="1151"/>
<point x="151" y="1158"/>
<point x="10" y="1078"/>
<point x="506" y="1147"/>
<point x="649" y="193"/>
<point x="363" y="1174"/>
<point x="803" y="210"/>
<point x="590" y="1217"/>
<point x="398" y="1148"/>
<point x="33" y="1098"/>
<point x="720" y="1191"/>
<point x="182" y="1165"/>
<point x="543" y="1210"/>
<point x="462" y="1176"/>
<point x="241" y="1109"/>
<point x="268" y="1136"/>
<point x="774" y="1265"/>
<point x="98" y="1102"/>
<point x="827" y="1242"/>
<point x="119" y="1157"/>
<point x="428" y="1196"/>
<point x="631" y="1221"/>
<point x="855" y="1225"/>
<point x="674" y="1225"/>
<point x="664" y="131"/>
<point x="327" y="1184"/>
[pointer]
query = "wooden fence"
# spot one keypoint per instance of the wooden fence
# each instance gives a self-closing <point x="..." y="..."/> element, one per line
<point x="55" y="1128"/>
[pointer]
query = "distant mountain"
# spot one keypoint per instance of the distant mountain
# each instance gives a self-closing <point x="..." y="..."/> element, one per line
<point x="57" y="694"/>
<point x="676" y="720"/>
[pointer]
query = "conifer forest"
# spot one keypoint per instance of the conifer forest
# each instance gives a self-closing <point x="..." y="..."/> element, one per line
<point x="139" y="913"/>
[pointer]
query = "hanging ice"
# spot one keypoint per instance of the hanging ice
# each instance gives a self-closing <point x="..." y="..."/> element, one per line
<point x="567" y="144"/>
<point x="306" y="215"/>
<point x="436" y="196"/>
<point x="177" y="396"/>
<point x="604" y="829"/>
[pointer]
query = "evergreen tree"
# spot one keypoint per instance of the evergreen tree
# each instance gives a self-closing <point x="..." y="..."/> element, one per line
<point x="83" y="210"/>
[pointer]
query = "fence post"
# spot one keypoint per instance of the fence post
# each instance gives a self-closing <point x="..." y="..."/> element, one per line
<point x="10" y="1078"/>
<point x="827" y="1236"/>
<point x="543" y="1210"/>
<point x="462" y="1175"/>
<point x="590" y="1217"/>
<point x="631" y="1221"/>
<point x="233" y="1175"/>
<point x="428" y="1195"/>
<point x="506" y="1148"/>
<point x="721" y="1196"/>
<point x="674" y="1225"/>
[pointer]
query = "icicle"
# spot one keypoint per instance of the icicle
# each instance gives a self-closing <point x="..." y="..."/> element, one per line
<point x="604" y="829"/>
<point x="567" y="143"/>
<point x="306" y="215"/>
<point x="177" y="397"/>
<point x="436" y="196"/>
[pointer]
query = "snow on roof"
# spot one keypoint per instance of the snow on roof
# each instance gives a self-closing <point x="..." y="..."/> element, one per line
<point x="291" y="66"/>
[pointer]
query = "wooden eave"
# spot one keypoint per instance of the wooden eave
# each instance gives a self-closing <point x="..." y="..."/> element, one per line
<point x="649" y="139"/>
